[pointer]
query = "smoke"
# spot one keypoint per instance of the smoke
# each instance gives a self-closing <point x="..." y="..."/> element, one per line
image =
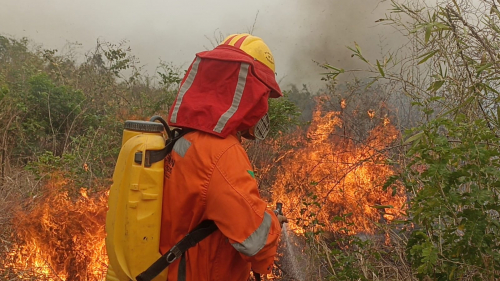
<point x="302" y="34"/>
<point x="298" y="32"/>
<point x="324" y="28"/>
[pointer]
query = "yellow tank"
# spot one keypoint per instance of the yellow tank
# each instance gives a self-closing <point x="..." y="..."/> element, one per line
<point x="135" y="202"/>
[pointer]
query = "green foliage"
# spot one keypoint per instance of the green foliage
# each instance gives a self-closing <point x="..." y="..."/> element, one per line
<point x="169" y="75"/>
<point x="118" y="58"/>
<point x="452" y="165"/>
<point x="48" y="110"/>
<point x="304" y="101"/>
<point x="344" y="256"/>
<point x="47" y="163"/>
<point x="308" y="219"/>
<point x="454" y="174"/>
<point x="95" y="151"/>
<point x="283" y="114"/>
<point x="59" y="115"/>
<point x="423" y="254"/>
<point x="346" y="250"/>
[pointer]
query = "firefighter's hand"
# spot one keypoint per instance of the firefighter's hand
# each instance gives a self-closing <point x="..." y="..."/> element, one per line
<point x="282" y="219"/>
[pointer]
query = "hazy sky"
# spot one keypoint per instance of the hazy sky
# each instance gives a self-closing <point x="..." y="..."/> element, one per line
<point x="297" y="31"/>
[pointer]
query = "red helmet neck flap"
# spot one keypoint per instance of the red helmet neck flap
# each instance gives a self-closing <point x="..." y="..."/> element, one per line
<point x="224" y="91"/>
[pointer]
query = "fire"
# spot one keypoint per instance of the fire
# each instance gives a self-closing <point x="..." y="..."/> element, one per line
<point x="330" y="182"/>
<point x="59" y="238"/>
<point x="335" y="183"/>
<point x="371" y="113"/>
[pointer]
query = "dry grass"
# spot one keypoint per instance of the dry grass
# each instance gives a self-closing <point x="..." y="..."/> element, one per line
<point x="17" y="188"/>
<point x="48" y="234"/>
<point x="380" y="257"/>
<point x="314" y="260"/>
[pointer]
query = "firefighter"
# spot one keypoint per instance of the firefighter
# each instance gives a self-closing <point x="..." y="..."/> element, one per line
<point x="208" y="176"/>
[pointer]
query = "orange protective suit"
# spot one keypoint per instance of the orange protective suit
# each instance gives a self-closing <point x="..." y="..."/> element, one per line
<point x="208" y="175"/>
<point x="220" y="187"/>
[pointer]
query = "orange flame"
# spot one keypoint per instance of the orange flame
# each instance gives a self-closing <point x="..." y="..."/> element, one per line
<point x="60" y="238"/>
<point x="334" y="183"/>
<point x="371" y="113"/>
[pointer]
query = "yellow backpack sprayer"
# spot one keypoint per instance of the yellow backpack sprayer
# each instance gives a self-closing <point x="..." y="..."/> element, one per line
<point x="135" y="201"/>
<point x="133" y="221"/>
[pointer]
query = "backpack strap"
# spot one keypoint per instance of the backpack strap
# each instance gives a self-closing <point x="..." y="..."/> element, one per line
<point x="202" y="231"/>
<point x="153" y="156"/>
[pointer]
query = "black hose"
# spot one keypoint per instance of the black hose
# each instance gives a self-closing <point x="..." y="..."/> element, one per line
<point x="167" y="128"/>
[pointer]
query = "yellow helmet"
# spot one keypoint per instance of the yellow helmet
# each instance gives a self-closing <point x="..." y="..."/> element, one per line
<point x="253" y="46"/>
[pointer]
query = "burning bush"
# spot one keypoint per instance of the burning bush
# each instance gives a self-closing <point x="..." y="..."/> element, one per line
<point x="332" y="180"/>
<point x="59" y="237"/>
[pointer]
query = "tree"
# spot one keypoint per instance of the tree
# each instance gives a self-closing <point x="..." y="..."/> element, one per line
<point x="449" y="70"/>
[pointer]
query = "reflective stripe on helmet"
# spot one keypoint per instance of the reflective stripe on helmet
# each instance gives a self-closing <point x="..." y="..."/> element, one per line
<point x="238" y="93"/>
<point x="253" y="46"/>
<point x="240" y="41"/>
<point x="228" y="40"/>
<point x="184" y="88"/>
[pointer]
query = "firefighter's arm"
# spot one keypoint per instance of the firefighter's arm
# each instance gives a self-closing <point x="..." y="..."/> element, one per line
<point x="233" y="202"/>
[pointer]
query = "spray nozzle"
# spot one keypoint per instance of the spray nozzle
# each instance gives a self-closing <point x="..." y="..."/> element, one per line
<point x="279" y="208"/>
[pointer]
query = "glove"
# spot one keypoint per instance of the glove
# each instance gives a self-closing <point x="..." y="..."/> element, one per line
<point x="282" y="219"/>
